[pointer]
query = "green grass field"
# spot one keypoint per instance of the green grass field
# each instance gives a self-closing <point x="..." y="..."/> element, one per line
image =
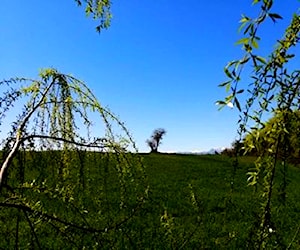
<point x="193" y="202"/>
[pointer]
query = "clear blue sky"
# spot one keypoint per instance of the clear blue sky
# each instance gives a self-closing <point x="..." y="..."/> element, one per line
<point x="158" y="65"/>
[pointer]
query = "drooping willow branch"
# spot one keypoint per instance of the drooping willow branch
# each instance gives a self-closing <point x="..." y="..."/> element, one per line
<point x="57" y="102"/>
<point x="20" y="131"/>
<point x="272" y="88"/>
<point x="62" y="114"/>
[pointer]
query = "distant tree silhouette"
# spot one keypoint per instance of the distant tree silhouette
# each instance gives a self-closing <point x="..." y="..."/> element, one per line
<point x="155" y="139"/>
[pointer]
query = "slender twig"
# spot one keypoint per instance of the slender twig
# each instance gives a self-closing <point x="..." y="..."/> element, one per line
<point x="32" y="230"/>
<point x="86" y="145"/>
<point x="294" y="238"/>
<point x="66" y="223"/>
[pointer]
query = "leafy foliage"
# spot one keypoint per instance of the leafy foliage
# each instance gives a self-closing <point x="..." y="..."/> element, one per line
<point x="273" y="88"/>
<point x="282" y="128"/>
<point x="99" y="9"/>
<point x="47" y="183"/>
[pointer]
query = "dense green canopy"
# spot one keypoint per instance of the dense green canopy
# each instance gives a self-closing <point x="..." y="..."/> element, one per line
<point x="280" y="132"/>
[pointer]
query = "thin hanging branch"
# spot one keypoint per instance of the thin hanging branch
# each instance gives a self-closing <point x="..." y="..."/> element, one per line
<point x="18" y="139"/>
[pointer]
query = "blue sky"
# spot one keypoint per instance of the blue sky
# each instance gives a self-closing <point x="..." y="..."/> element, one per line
<point x="158" y="65"/>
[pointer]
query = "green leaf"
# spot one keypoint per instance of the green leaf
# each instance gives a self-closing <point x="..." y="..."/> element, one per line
<point x="228" y="73"/>
<point x="242" y="26"/>
<point x="220" y="103"/>
<point x="261" y="59"/>
<point x="274" y="16"/>
<point x="254" y="43"/>
<point x="237" y="103"/>
<point x="227" y="87"/>
<point x="255" y="1"/>
<point x="224" y="83"/>
<point x="244" y="40"/>
<point x="244" y="19"/>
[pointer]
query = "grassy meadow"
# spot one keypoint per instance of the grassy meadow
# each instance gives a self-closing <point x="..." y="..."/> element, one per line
<point x="191" y="202"/>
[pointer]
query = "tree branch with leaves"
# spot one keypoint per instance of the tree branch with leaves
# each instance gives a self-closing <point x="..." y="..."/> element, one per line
<point x="273" y="87"/>
<point x="61" y="122"/>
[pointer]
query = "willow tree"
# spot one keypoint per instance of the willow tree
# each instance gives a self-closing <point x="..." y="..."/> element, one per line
<point x="68" y="171"/>
<point x="274" y="85"/>
<point x="69" y="175"/>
